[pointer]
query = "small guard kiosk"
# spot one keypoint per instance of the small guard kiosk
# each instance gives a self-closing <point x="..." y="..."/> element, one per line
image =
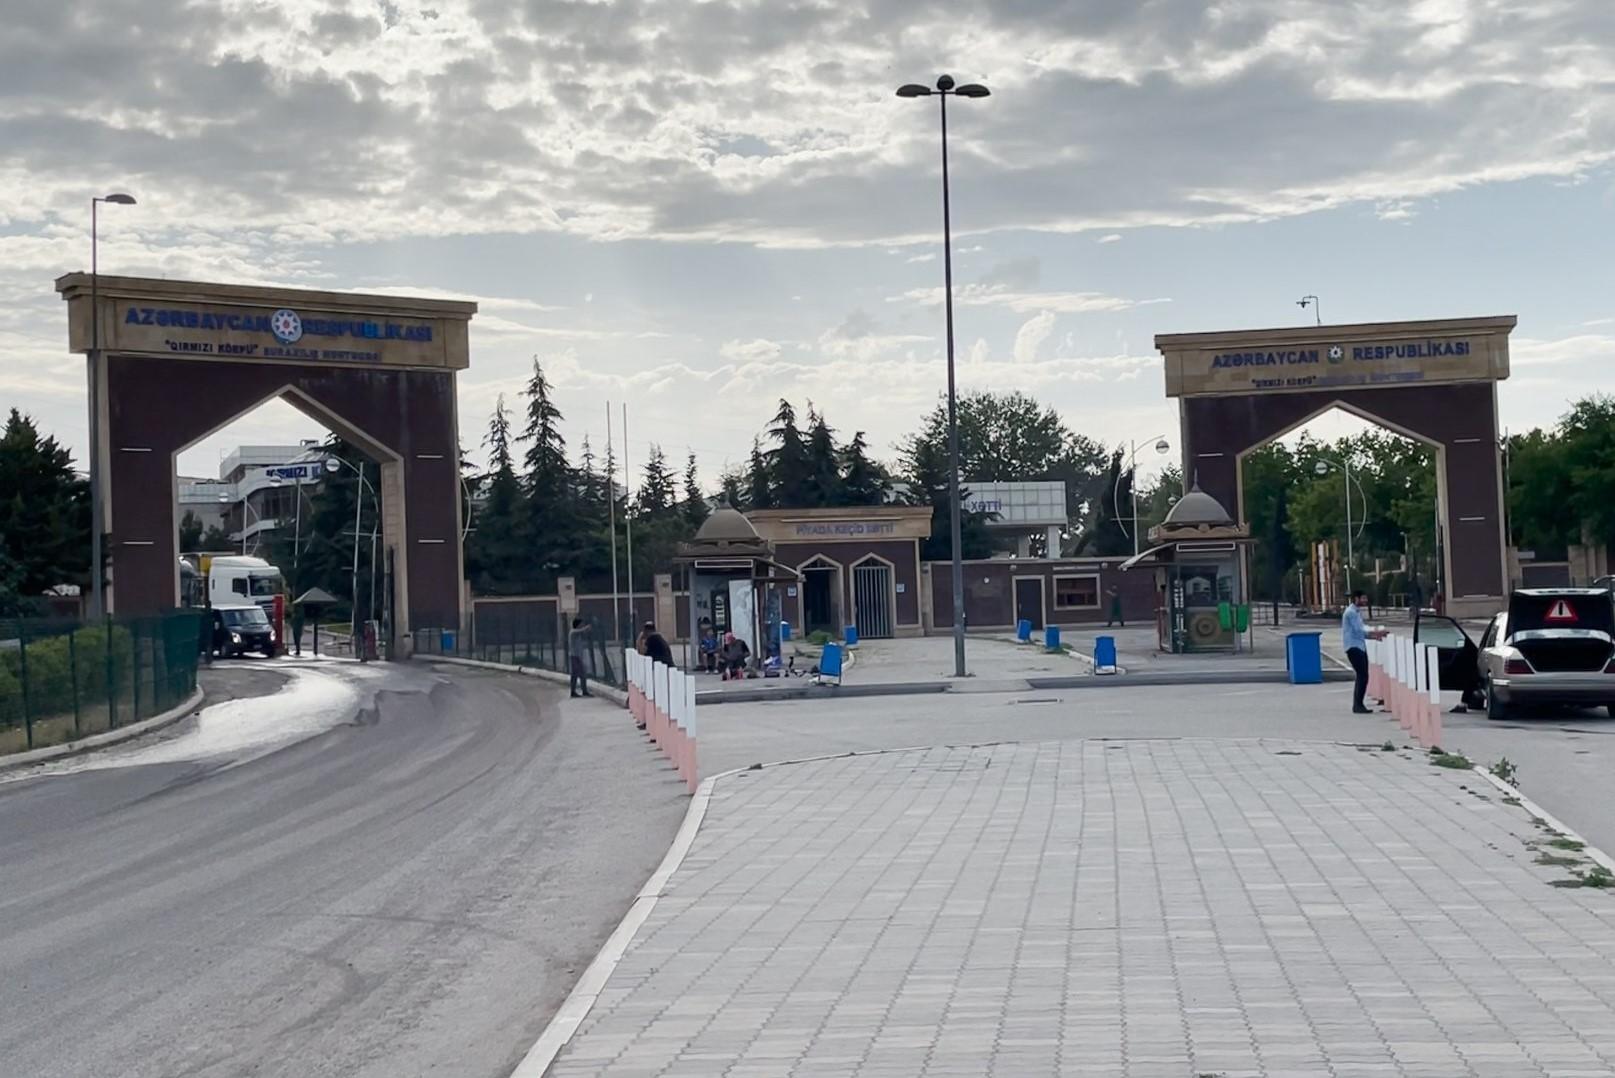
<point x="734" y="583"/>
<point x="1199" y="560"/>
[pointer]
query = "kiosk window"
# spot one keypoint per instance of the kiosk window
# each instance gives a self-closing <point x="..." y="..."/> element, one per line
<point x="1076" y="592"/>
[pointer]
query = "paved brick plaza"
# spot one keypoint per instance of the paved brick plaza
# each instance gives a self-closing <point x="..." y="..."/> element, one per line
<point x="1171" y="908"/>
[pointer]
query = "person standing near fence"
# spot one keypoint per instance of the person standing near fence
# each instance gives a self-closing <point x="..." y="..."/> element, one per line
<point x="577" y="651"/>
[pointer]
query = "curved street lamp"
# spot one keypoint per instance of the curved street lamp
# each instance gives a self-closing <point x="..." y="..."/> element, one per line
<point x="945" y="88"/>
<point x="1322" y="468"/>
<point x="333" y="465"/>
<point x="1161" y="446"/>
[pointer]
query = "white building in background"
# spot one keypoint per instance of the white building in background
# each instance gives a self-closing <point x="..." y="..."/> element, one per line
<point x="1024" y="509"/>
<point x="256" y="492"/>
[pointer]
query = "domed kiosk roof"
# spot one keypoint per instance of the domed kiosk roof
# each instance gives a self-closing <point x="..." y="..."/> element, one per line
<point x="1198" y="508"/>
<point x="727" y="525"/>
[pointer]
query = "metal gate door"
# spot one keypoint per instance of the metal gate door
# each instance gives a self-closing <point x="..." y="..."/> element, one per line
<point x="872" y="600"/>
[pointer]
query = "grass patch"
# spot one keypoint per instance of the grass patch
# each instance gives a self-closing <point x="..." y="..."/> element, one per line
<point x="1512" y="800"/>
<point x="1457" y="761"/>
<point x="1387" y="747"/>
<point x="1557" y="860"/>
<point x="1505" y="771"/>
<point x="1562" y="843"/>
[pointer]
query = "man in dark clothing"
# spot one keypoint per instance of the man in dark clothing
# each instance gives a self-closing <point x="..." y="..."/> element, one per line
<point x="577" y="651"/>
<point x="656" y="646"/>
<point x="734" y="656"/>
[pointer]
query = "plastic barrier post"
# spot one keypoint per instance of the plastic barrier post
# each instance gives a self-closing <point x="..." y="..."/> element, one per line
<point x="689" y="715"/>
<point x="1373" y="670"/>
<point x="1435" y="696"/>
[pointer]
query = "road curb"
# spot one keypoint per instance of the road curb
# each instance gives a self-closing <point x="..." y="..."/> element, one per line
<point x="98" y="741"/>
<point x="1593" y="852"/>
<point x="603" y="691"/>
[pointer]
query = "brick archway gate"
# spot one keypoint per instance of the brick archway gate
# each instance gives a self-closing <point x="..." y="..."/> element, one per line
<point x="181" y="360"/>
<point x="1434" y="381"/>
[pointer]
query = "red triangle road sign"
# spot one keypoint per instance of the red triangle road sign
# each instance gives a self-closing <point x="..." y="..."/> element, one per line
<point x="1562" y="613"/>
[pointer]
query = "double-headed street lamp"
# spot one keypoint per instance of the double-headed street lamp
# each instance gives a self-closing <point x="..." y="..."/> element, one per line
<point x="1322" y="468"/>
<point x="1161" y="446"/>
<point x="334" y="465"/>
<point x="97" y="573"/>
<point x="945" y="89"/>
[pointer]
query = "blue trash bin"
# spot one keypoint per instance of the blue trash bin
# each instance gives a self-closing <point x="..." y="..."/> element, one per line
<point x="1104" y="653"/>
<point x="1303" y="656"/>
<point x="784" y="630"/>
<point x="1023" y="631"/>
<point x="446" y="644"/>
<point x="1051" y="637"/>
<point x="850" y="635"/>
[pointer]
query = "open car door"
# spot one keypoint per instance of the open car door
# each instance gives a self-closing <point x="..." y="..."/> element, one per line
<point x="1456" y="655"/>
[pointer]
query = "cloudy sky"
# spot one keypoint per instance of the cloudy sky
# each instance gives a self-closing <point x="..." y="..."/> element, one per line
<point x="700" y="207"/>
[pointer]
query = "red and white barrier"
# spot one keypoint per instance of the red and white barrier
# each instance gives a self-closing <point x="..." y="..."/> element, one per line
<point x="662" y="701"/>
<point x="1406" y="678"/>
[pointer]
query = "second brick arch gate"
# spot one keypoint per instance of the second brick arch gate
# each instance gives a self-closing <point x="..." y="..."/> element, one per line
<point x="1433" y="381"/>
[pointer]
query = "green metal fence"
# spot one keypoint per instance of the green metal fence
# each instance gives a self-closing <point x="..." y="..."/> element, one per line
<point x="537" y="640"/>
<point x="61" y="680"/>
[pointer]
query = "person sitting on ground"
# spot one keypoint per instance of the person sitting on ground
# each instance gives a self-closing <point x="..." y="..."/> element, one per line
<point x="709" y="646"/>
<point x="656" y="649"/>
<point x="735" y="654"/>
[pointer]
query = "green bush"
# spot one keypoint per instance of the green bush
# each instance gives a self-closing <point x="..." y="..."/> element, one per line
<point x="819" y="638"/>
<point x="58" y="666"/>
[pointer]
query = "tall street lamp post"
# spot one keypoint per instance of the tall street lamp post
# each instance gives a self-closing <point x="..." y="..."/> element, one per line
<point x="1161" y="446"/>
<point x="1321" y="469"/>
<point x="97" y="523"/>
<point x="945" y="89"/>
<point x="334" y="465"/>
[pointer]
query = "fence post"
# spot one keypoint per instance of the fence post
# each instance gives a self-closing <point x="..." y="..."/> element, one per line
<point x="112" y="684"/>
<point x="22" y="673"/>
<point x="134" y="657"/>
<point x="73" y="672"/>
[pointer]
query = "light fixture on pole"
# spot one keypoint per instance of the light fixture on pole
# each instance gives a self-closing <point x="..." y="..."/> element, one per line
<point x="333" y="465"/>
<point x="945" y="89"/>
<point x="97" y="517"/>
<point x="1161" y="446"/>
<point x="1317" y="308"/>
<point x="1322" y="468"/>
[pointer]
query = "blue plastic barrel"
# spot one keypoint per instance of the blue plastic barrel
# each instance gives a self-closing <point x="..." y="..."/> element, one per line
<point x="447" y="643"/>
<point x="1104" y="652"/>
<point x="850" y="635"/>
<point x="1303" y="655"/>
<point x="784" y="630"/>
<point x="1023" y="631"/>
<point x="1051" y="637"/>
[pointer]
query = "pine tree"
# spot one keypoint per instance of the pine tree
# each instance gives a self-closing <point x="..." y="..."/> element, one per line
<point x="928" y="485"/>
<point x="695" y="503"/>
<point x="759" y="484"/>
<point x="495" y="547"/>
<point x="863" y="482"/>
<point x="44" y="513"/>
<point x="545" y="465"/>
<point x="823" y="485"/>
<point x="656" y="488"/>
<point x="733" y="490"/>
<point x="789" y="467"/>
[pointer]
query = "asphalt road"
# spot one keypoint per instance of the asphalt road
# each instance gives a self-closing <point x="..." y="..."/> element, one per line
<point x="409" y="891"/>
<point x="1565" y="759"/>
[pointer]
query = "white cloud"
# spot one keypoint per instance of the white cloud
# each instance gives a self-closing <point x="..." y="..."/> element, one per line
<point x="1110" y="237"/>
<point x="1030" y="337"/>
<point x="1526" y="352"/>
<point x="997" y="295"/>
<point x="750" y="351"/>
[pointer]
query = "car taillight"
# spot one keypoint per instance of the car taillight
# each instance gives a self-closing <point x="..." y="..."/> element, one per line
<point x="1517" y="666"/>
